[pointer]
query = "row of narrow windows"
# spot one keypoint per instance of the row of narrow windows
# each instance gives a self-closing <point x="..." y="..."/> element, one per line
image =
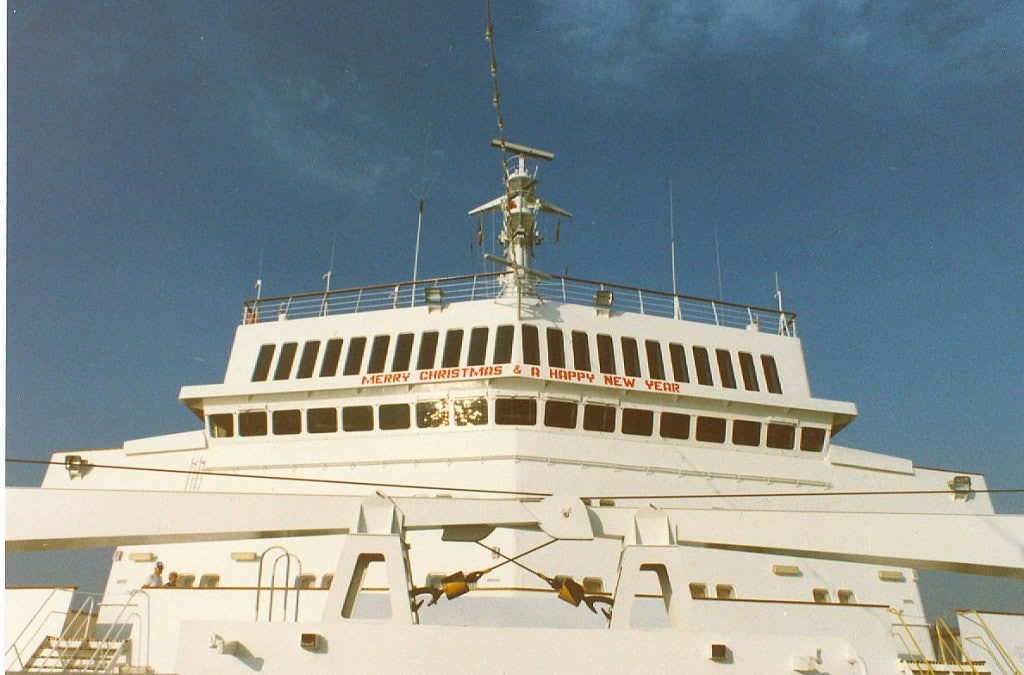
<point x="626" y="356"/>
<point x="553" y="413"/>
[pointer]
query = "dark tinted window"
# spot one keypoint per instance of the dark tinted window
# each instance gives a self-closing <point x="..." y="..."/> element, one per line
<point x="477" y="347"/>
<point x="771" y="374"/>
<point x="560" y="414"/>
<point x="357" y="418"/>
<point x="637" y="422"/>
<point x="252" y="424"/>
<point x="432" y="414"/>
<point x="262" y="369"/>
<point x="531" y="345"/>
<point x="703" y="365"/>
<point x="332" y="355"/>
<point x="748" y="371"/>
<point x="503" y="344"/>
<point x="725" y="370"/>
<point x="655" y="364"/>
<point x="606" y="354"/>
<point x="812" y="439"/>
<point x="403" y="353"/>
<point x="630" y="357"/>
<point x="746" y="432"/>
<point x="515" y="411"/>
<point x="580" y="351"/>
<point x="308" y="360"/>
<point x="285" y="361"/>
<point x="677" y="355"/>
<point x="556" y="348"/>
<point x="781" y="436"/>
<point x="393" y="416"/>
<point x="428" y="350"/>
<point x="452" y="348"/>
<point x="286" y="422"/>
<point x="597" y="417"/>
<point x="378" y="354"/>
<point x="321" y="420"/>
<point x="674" y="425"/>
<point x="222" y="425"/>
<point x="354" y="359"/>
<point x="711" y="429"/>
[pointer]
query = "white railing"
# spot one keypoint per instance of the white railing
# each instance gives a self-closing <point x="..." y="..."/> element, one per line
<point x="494" y="285"/>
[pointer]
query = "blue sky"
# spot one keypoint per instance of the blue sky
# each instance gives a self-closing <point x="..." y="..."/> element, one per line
<point x="162" y="155"/>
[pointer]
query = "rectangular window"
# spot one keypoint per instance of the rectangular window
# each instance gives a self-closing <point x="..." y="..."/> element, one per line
<point x="556" y="348"/>
<point x="252" y="423"/>
<point x="560" y="414"/>
<point x="748" y="371"/>
<point x="393" y="416"/>
<point x="308" y="360"/>
<point x="428" y="350"/>
<point x="702" y="363"/>
<point x="403" y="353"/>
<point x="378" y="354"/>
<point x="503" y="344"/>
<point x="477" y="347"/>
<point x="637" y="422"/>
<point x="674" y="425"/>
<point x="746" y="432"/>
<point x="285" y="361"/>
<point x="812" y="439"/>
<point x="470" y="411"/>
<point x="263" y="359"/>
<point x="430" y="414"/>
<point x="322" y="420"/>
<point x="452" y="348"/>
<point x="711" y="429"/>
<point x="531" y="345"/>
<point x="780" y="436"/>
<point x="515" y="411"/>
<point x="597" y="417"/>
<point x="771" y="374"/>
<point x="606" y="354"/>
<point x="357" y="418"/>
<point x="332" y="355"/>
<point x="222" y="425"/>
<point x="286" y="422"/>
<point x="354" y="359"/>
<point x="655" y="364"/>
<point x="725" y="371"/>
<point x="630" y="357"/>
<point x="580" y="351"/>
<point x="677" y="356"/>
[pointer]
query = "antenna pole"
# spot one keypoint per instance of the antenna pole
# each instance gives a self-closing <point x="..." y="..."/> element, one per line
<point x="672" y="235"/>
<point x="718" y="261"/>
<point x="327" y="277"/>
<point x="416" y="256"/>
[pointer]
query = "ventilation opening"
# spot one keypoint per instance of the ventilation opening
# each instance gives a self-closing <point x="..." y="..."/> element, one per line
<point x="360" y="601"/>
<point x="653" y="599"/>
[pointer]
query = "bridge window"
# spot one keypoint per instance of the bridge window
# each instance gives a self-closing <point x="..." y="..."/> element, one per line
<point x="630" y="357"/>
<point x="403" y="353"/>
<point x="711" y="429"/>
<point x="477" y="347"/>
<point x="725" y="371"/>
<point x="531" y="345"/>
<point x="430" y="414"/>
<point x="597" y="417"/>
<point x="556" y="348"/>
<point x="780" y="436"/>
<point x="470" y="411"/>
<point x="428" y="350"/>
<point x="606" y="354"/>
<point x="560" y="414"/>
<point x="655" y="363"/>
<point x="675" y="425"/>
<point x="252" y="423"/>
<point x="308" y="360"/>
<point x="503" y="344"/>
<point x="748" y="371"/>
<point x="515" y="411"/>
<point x="393" y="416"/>
<point x="702" y="363"/>
<point x="378" y="354"/>
<point x="746" y="432"/>
<point x="771" y="374"/>
<point x="677" y="355"/>
<point x="322" y="420"/>
<point x="222" y="425"/>
<point x="354" y="360"/>
<point x="580" y="351"/>
<point x="263" y="359"/>
<point x="636" y="422"/>
<point x="284" y="362"/>
<point x="286" y="422"/>
<point x="452" y="348"/>
<point x="812" y="439"/>
<point x="357" y="418"/>
<point x="332" y="355"/>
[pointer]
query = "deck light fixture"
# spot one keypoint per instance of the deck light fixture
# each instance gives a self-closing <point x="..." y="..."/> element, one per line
<point x="76" y="466"/>
<point x="434" y="297"/>
<point x="603" y="301"/>
<point x="310" y="641"/>
<point x="961" y="487"/>
<point x="244" y="556"/>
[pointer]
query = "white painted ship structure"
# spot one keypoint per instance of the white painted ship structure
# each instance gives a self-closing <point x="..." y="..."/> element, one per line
<point x="511" y="472"/>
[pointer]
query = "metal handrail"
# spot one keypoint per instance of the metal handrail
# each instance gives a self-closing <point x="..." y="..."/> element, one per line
<point x="28" y="624"/>
<point x="999" y="646"/>
<point x="944" y="647"/>
<point x="129" y="602"/>
<point x="913" y="640"/>
<point x="287" y="555"/>
<point x="496" y="285"/>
